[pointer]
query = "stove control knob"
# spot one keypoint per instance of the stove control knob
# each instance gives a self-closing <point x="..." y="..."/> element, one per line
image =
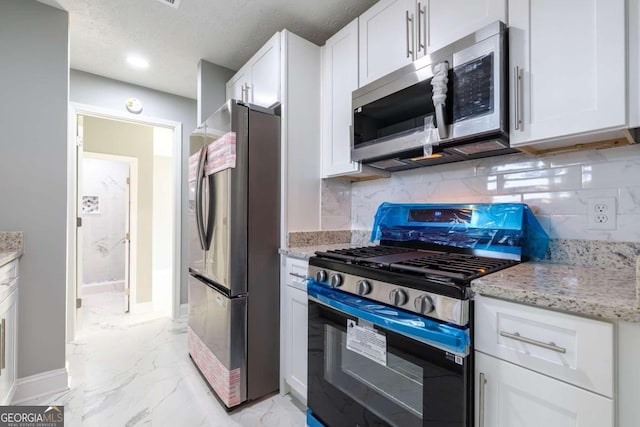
<point x="424" y="304"/>
<point x="336" y="280"/>
<point x="364" y="287"/>
<point x="398" y="297"/>
<point x="321" y="276"/>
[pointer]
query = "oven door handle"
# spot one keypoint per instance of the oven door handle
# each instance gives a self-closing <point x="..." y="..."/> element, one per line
<point x="428" y="331"/>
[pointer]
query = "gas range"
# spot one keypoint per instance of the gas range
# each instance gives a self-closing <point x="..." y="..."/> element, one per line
<point x="431" y="283"/>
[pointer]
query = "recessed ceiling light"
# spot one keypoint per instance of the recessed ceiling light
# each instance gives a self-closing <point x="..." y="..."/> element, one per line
<point x="137" y="62"/>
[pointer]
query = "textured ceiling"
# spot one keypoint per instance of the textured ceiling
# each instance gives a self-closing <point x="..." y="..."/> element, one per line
<point x="225" y="32"/>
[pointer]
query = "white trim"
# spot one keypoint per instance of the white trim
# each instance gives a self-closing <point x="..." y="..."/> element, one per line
<point x="41" y="385"/>
<point x="84" y="109"/>
<point x="184" y="309"/>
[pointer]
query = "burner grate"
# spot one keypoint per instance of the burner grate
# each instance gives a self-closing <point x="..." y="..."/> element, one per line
<point x="353" y="254"/>
<point x="452" y="265"/>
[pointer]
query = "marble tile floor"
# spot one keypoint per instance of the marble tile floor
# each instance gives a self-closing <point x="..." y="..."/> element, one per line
<point x="128" y="370"/>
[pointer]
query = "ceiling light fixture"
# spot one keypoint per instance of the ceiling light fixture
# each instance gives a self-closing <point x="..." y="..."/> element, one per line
<point x="137" y="62"/>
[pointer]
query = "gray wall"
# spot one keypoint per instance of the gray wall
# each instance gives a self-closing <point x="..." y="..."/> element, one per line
<point x="212" y="89"/>
<point x="34" y="77"/>
<point x="102" y="92"/>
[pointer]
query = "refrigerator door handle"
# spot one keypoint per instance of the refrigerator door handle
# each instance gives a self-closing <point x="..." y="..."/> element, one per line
<point x="211" y="217"/>
<point x="199" y="219"/>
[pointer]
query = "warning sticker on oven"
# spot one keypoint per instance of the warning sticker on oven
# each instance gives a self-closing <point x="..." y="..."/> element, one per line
<point x="367" y="342"/>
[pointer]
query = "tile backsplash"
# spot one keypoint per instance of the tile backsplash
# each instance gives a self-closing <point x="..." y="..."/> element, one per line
<point x="556" y="187"/>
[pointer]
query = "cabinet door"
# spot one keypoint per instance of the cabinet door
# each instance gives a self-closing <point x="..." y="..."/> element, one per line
<point x="569" y="58"/>
<point x="264" y="89"/>
<point x="387" y="40"/>
<point x="8" y="319"/>
<point x="508" y="395"/>
<point x="235" y="86"/>
<point x="450" y="20"/>
<point x="339" y="80"/>
<point x="297" y="341"/>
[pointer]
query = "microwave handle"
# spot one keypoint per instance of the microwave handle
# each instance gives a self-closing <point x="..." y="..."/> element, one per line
<point x="441" y="121"/>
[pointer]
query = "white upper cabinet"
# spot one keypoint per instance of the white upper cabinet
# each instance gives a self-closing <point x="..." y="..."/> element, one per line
<point x="566" y="71"/>
<point x="450" y="20"/>
<point x="265" y="74"/>
<point x="387" y="38"/>
<point x="258" y="81"/>
<point x="339" y="80"/>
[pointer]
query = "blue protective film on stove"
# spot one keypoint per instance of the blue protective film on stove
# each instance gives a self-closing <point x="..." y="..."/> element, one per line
<point x="509" y="228"/>
<point x="426" y="330"/>
<point x="313" y="421"/>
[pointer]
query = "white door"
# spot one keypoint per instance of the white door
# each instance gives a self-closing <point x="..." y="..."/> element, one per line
<point x="79" y="240"/>
<point x="265" y="74"/>
<point x="508" y="395"/>
<point x="297" y="309"/>
<point x="566" y="68"/>
<point x="339" y="80"/>
<point x="127" y="244"/>
<point x="450" y="20"/>
<point x="387" y="38"/>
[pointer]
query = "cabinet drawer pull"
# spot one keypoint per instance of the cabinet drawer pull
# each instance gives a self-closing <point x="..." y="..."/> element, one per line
<point x="483" y="382"/>
<point x="300" y="276"/>
<point x="549" y="346"/>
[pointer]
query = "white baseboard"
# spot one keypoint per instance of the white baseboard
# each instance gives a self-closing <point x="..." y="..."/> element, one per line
<point x="184" y="309"/>
<point x="40" y="385"/>
<point x="99" y="287"/>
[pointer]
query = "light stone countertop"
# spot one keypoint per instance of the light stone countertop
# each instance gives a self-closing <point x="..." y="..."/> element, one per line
<point x="606" y="293"/>
<point x="7" y="256"/>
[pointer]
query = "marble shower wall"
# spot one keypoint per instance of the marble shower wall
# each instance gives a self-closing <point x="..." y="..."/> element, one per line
<point x="557" y="187"/>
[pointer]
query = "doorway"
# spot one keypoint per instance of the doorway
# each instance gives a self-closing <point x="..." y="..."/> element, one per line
<point x="136" y="269"/>
<point x="108" y="206"/>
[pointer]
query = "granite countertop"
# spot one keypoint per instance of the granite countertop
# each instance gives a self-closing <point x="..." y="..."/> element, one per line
<point x="607" y="293"/>
<point x="304" y="252"/>
<point x="7" y="256"/>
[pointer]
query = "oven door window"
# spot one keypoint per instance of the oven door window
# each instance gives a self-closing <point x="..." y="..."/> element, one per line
<point x="419" y="386"/>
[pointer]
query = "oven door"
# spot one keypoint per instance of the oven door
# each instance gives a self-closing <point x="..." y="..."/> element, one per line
<point x="401" y="382"/>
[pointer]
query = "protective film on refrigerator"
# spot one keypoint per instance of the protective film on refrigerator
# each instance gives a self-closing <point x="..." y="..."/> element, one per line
<point x="509" y="228"/>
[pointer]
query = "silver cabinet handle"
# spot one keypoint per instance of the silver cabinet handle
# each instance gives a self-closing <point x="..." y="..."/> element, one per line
<point x="409" y="35"/>
<point x="483" y="382"/>
<point x="517" y="79"/>
<point x="549" y="346"/>
<point x="248" y="89"/>
<point x="422" y="39"/>
<point x="300" y="276"/>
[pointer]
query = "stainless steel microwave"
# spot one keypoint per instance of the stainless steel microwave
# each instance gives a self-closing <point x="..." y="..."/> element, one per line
<point x="461" y="89"/>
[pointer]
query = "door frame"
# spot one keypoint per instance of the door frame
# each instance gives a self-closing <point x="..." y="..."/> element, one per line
<point x="132" y="215"/>
<point x="76" y="109"/>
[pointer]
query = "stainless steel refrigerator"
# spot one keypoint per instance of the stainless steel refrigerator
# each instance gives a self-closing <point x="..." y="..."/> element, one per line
<point x="234" y="235"/>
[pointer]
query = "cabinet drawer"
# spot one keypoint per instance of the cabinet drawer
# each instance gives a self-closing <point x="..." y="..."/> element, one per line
<point x="8" y="272"/>
<point x="296" y="272"/>
<point x="571" y="348"/>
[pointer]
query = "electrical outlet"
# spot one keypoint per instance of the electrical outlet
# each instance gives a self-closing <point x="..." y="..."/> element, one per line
<point x="601" y="213"/>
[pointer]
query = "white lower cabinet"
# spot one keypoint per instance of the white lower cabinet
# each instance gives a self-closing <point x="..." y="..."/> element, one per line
<point x="293" y="329"/>
<point x="8" y="331"/>
<point x="508" y="395"/>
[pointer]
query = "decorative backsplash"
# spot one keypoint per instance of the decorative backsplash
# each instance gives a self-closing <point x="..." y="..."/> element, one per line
<point x="556" y="187"/>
